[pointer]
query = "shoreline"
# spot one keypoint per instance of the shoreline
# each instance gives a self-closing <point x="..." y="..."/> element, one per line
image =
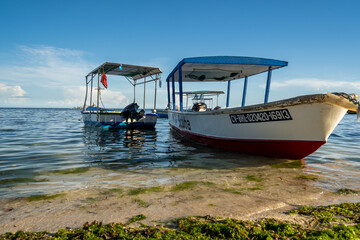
<point x="264" y="192"/>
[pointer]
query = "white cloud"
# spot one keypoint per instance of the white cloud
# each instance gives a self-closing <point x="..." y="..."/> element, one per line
<point x="11" y="94"/>
<point x="74" y="97"/>
<point x="317" y="85"/>
<point x="48" y="51"/>
<point x="53" y="77"/>
<point x="46" y="67"/>
<point x="113" y="98"/>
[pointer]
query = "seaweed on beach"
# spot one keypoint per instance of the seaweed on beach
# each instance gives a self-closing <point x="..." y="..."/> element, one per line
<point x="137" y="218"/>
<point x="190" y="184"/>
<point x="345" y="191"/>
<point x="207" y="227"/>
<point x="288" y="164"/>
<point x="44" y="197"/>
<point x="137" y="191"/>
<point x="12" y="181"/>
<point x="338" y="213"/>
<point x="71" y="171"/>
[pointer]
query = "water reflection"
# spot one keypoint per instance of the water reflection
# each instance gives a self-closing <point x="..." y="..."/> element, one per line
<point x="337" y="162"/>
<point x="43" y="144"/>
<point x="159" y="148"/>
<point x="122" y="149"/>
<point x="127" y="139"/>
<point x="198" y="155"/>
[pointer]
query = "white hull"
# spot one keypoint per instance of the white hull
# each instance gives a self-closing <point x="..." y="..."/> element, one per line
<point x="292" y="128"/>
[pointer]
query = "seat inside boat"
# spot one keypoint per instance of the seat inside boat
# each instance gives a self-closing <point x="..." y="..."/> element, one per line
<point x="199" y="107"/>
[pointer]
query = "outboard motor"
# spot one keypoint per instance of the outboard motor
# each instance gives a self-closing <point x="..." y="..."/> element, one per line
<point x="140" y="114"/>
<point x="130" y="111"/>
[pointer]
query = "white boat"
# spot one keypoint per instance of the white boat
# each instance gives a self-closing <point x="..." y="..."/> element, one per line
<point x="291" y="128"/>
<point x="129" y="117"/>
<point x="162" y="113"/>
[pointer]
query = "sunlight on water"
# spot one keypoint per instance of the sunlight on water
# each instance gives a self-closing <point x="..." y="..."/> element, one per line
<point x="50" y="150"/>
<point x="338" y="161"/>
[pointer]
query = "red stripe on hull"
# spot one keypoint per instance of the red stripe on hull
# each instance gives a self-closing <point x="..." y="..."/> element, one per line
<point x="287" y="149"/>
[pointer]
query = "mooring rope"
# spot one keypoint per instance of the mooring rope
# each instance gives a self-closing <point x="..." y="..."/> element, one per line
<point x="349" y="97"/>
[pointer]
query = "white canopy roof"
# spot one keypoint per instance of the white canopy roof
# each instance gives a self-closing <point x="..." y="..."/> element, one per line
<point x="133" y="72"/>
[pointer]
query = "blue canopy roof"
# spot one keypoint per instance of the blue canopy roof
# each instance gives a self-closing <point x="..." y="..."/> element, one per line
<point x="222" y="68"/>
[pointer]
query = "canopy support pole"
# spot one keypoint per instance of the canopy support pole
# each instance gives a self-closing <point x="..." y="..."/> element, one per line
<point x="187" y="102"/>
<point x="86" y="93"/>
<point x="144" y="93"/>
<point x="173" y="91"/>
<point x="134" y="91"/>
<point x="155" y="93"/>
<point x="98" y="96"/>
<point x="244" y="91"/>
<point x="168" y="92"/>
<point x="228" y="94"/>
<point x="180" y="89"/>
<point x="268" y="85"/>
<point x="91" y="92"/>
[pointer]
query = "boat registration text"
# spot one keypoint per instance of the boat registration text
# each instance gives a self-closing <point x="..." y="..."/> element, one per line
<point x="264" y="116"/>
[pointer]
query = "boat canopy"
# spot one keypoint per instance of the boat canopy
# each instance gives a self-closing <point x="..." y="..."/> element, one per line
<point x="219" y="69"/>
<point x="202" y="92"/>
<point x="133" y="72"/>
<point x="222" y="68"/>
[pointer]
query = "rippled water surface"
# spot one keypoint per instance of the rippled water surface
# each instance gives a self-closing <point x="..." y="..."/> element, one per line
<point x="50" y="150"/>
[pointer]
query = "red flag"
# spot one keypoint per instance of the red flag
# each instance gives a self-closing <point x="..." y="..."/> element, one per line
<point x="104" y="80"/>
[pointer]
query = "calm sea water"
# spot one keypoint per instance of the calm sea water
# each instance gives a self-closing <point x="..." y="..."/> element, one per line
<point x="37" y="144"/>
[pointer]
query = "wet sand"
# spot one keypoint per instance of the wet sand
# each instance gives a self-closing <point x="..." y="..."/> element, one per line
<point x="247" y="193"/>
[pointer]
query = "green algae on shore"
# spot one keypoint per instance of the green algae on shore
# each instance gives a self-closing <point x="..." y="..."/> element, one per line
<point x="11" y="181"/>
<point x="43" y="197"/>
<point x="184" y="186"/>
<point x="112" y="191"/>
<point x="141" y="202"/>
<point x="137" y="191"/>
<point x="289" y="164"/>
<point x="233" y="190"/>
<point x="324" y="223"/>
<point x="254" y="178"/>
<point x="71" y="171"/>
<point x="137" y="218"/>
<point x="189" y="184"/>
<point x="337" y="213"/>
<point x="346" y="191"/>
<point x="307" y="177"/>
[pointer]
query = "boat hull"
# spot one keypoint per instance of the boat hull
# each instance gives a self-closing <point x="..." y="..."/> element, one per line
<point x="287" y="149"/>
<point x="115" y="120"/>
<point x="290" y="129"/>
<point x="162" y="114"/>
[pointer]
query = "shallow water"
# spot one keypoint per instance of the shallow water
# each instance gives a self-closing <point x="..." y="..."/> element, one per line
<point x="338" y="161"/>
<point x="49" y="150"/>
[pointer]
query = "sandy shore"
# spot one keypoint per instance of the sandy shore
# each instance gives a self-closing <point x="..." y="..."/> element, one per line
<point x="242" y="193"/>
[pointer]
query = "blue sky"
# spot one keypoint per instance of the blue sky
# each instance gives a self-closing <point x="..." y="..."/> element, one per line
<point x="47" y="47"/>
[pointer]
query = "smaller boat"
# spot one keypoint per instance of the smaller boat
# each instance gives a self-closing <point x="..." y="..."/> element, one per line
<point x="162" y="113"/>
<point x="131" y="116"/>
<point x="202" y="100"/>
